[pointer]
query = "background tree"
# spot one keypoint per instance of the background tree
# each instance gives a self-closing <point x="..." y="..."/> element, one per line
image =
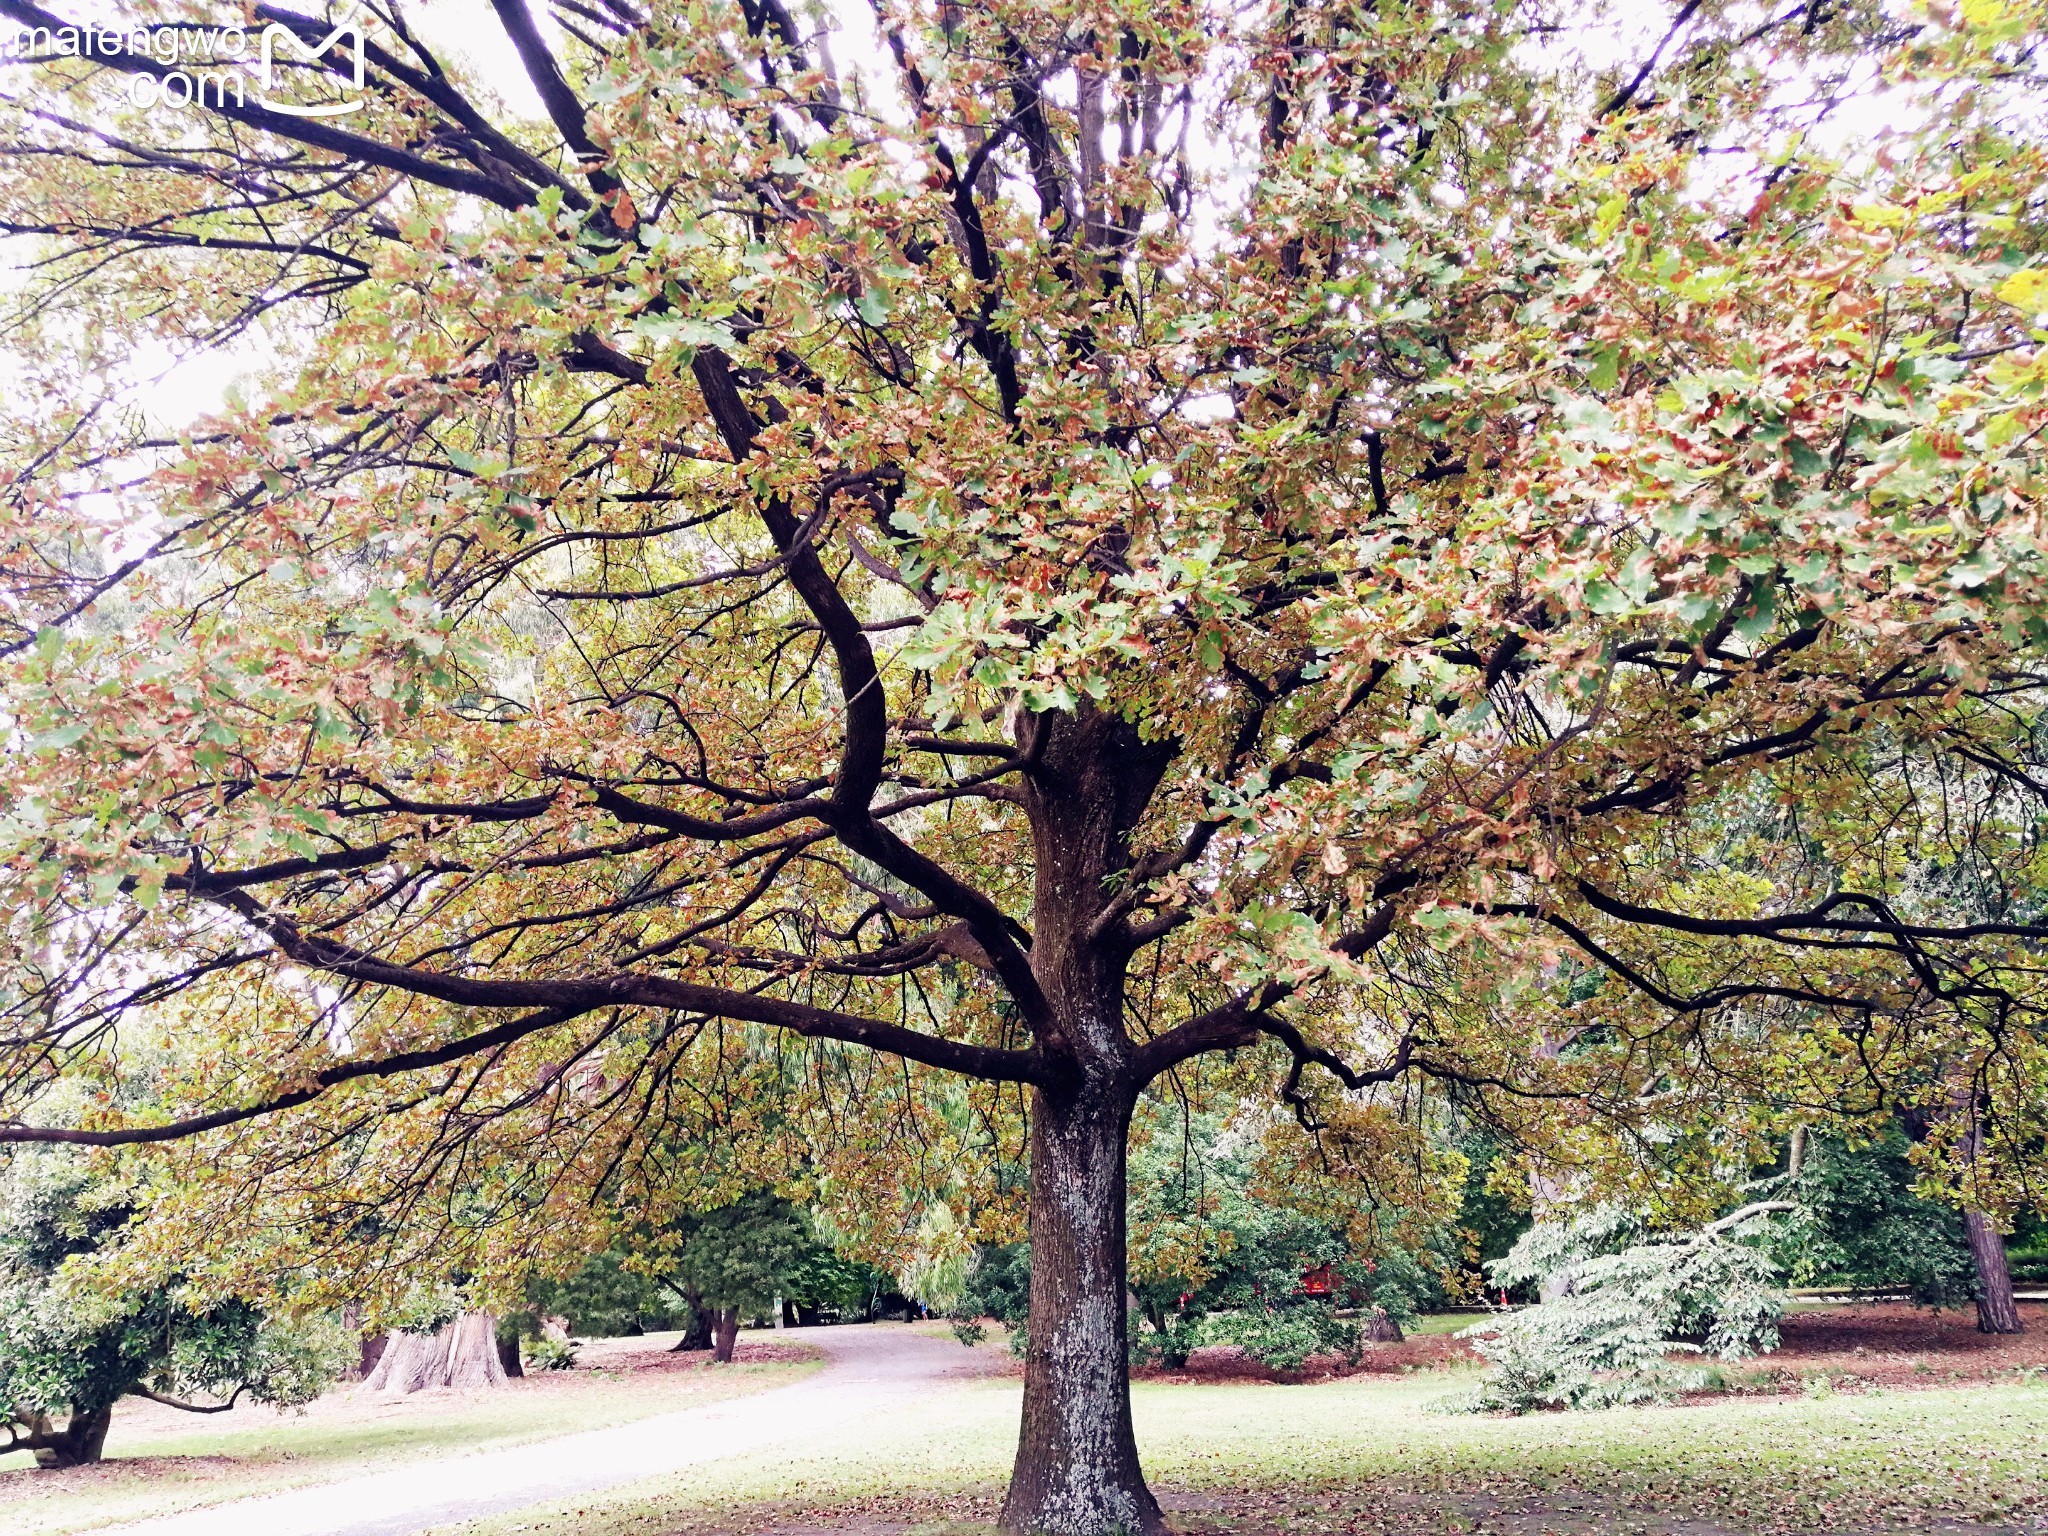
<point x="1220" y="1255"/>
<point x="1619" y="1300"/>
<point x="604" y="1297"/>
<point x="1861" y="1223"/>
<point x="70" y="1352"/>
<point x="1084" y="537"/>
<point x="735" y="1260"/>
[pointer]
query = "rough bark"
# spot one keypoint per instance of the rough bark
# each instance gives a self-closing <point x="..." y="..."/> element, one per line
<point x="1997" y="1311"/>
<point x="725" y="1333"/>
<point x="1077" y="1471"/>
<point x="1382" y="1329"/>
<point x="80" y="1443"/>
<point x="463" y="1353"/>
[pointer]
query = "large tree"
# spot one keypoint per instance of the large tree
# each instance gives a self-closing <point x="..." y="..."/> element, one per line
<point x="1035" y="541"/>
<point x="71" y="1351"/>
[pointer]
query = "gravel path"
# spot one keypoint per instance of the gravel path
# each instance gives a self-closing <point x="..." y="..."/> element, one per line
<point x="868" y="1370"/>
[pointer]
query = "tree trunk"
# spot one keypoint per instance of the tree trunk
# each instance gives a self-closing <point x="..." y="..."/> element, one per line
<point x="725" y="1333"/>
<point x="1997" y="1312"/>
<point x="1382" y="1329"/>
<point x="1547" y="1193"/>
<point x="698" y="1334"/>
<point x="464" y="1353"/>
<point x="1077" y="1471"/>
<point x="80" y="1443"/>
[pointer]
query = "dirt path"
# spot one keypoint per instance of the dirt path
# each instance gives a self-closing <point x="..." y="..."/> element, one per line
<point x="869" y="1370"/>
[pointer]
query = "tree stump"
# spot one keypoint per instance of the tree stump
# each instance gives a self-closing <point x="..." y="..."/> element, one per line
<point x="1382" y="1329"/>
<point x="462" y="1353"/>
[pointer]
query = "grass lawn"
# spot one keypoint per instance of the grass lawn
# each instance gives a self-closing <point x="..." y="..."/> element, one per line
<point x="160" y="1460"/>
<point x="1441" y="1322"/>
<point x="1366" y="1454"/>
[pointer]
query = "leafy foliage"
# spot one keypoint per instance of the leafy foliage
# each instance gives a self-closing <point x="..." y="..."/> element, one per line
<point x="1625" y="1304"/>
<point x="1284" y="1334"/>
<point x="1861" y="1222"/>
<point x="76" y="1349"/>
<point x="744" y="1255"/>
<point x="998" y="1285"/>
<point x="1217" y="1258"/>
<point x="605" y="1298"/>
<point x="423" y="653"/>
<point x="545" y="1354"/>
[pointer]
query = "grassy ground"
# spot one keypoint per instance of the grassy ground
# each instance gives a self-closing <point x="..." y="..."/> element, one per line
<point x="1369" y="1455"/>
<point x="1441" y="1322"/>
<point x="1364" y="1454"/>
<point x="160" y="1460"/>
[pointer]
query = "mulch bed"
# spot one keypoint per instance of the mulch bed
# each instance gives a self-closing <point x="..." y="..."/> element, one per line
<point x="121" y="1470"/>
<point x="1892" y="1344"/>
<point x="1226" y="1362"/>
<point x="1887" y="1344"/>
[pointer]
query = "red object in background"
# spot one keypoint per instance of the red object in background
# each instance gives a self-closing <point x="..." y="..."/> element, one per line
<point x="1318" y="1281"/>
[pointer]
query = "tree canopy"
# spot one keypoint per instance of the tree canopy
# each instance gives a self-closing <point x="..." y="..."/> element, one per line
<point x="814" y="590"/>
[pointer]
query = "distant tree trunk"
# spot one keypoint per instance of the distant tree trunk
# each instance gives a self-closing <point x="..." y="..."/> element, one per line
<point x="697" y="1335"/>
<point x="464" y="1353"/>
<point x="80" y="1443"/>
<point x="1997" y="1311"/>
<point x="508" y="1356"/>
<point x="1547" y="1193"/>
<point x="368" y="1345"/>
<point x="725" y="1333"/>
<point x="1382" y="1329"/>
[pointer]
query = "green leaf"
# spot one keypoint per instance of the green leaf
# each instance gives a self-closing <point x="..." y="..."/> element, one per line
<point x="1804" y="460"/>
<point x="1606" y="370"/>
<point x="60" y="738"/>
<point x="1604" y="597"/>
<point x="873" y="305"/>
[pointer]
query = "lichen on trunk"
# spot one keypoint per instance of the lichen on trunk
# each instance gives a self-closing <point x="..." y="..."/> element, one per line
<point x="1077" y="1471"/>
